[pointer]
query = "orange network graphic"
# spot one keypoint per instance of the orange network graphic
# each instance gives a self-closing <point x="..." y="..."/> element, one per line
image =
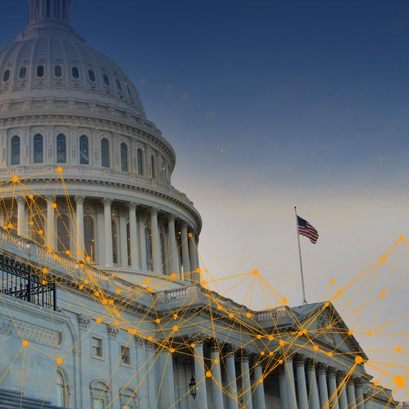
<point x="199" y="316"/>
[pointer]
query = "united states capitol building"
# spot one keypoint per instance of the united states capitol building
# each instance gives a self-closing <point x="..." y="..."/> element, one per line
<point x="102" y="303"/>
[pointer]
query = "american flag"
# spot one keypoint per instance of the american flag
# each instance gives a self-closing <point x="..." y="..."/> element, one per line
<point x="305" y="229"/>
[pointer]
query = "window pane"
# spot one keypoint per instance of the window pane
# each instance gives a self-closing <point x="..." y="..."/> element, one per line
<point x="129" y="90"/>
<point x="124" y="158"/>
<point x="153" y="166"/>
<point x="38" y="149"/>
<point x="106" y="79"/>
<point x="38" y="228"/>
<point x="58" y="71"/>
<point x="61" y="149"/>
<point x="118" y="84"/>
<point x="91" y="75"/>
<point x="6" y="75"/>
<point x="140" y="171"/>
<point x="89" y="240"/>
<point x="23" y="72"/>
<point x="75" y="72"/>
<point x="105" y="153"/>
<point x="128" y="244"/>
<point x="15" y="150"/>
<point x="148" y="244"/>
<point x="84" y="158"/>
<point x="40" y="71"/>
<point x="63" y="233"/>
<point x="114" y="243"/>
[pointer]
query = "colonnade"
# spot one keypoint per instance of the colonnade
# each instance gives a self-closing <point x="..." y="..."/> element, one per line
<point x="328" y="387"/>
<point x="187" y="264"/>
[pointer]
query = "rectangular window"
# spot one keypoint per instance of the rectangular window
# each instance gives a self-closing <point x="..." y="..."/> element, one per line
<point x="125" y="355"/>
<point x="97" y="347"/>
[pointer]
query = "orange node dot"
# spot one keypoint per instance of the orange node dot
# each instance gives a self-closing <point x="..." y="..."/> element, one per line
<point x="54" y="205"/>
<point x="31" y="197"/>
<point x="45" y="270"/>
<point x="86" y="282"/>
<point x="255" y="272"/>
<point x="284" y="300"/>
<point x="400" y="383"/>
<point x="350" y="332"/>
<point x="258" y="336"/>
<point x="88" y="258"/>
<point x="175" y="328"/>
<point x="99" y="320"/>
<point x="111" y="301"/>
<point x="330" y="354"/>
<point x="203" y="282"/>
<point x="82" y="265"/>
<point x="282" y="343"/>
<point x="248" y="315"/>
<point x="96" y="294"/>
<point x="44" y="282"/>
<point x="55" y="255"/>
<point x="150" y="338"/>
<point x="104" y="302"/>
<point x="359" y="359"/>
<point x="369" y="333"/>
<point x="280" y="361"/>
<point x="332" y="280"/>
<point x="150" y="289"/>
<point x="68" y="252"/>
<point x="231" y="315"/>
<point x="219" y="307"/>
<point x="326" y="304"/>
<point x="315" y="347"/>
<point x="383" y="294"/>
<point x="190" y="234"/>
<point x="59" y="169"/>
<point x="208" y="374"/>
<point x="157" y="320"/>
<point x="81" y="287"/>
<point x="15" y="179"/>
<point x="198" y="270"/>
<point x="175" y="316"/>
<point x="304" y="331"/>
<point x="133" y="332"/>
<point x="244" y="186"/>
<point x="79" y="252"/>
<point x="376" y="383"/>
<point x="116" y="322"/>
<point x="339" y="292"/>
<point x="271" y="353"/>
<point x="59" y="361"/>
<point x="398" y="349"/>
<point x="383" y="258"/>
<point x="173" y="275"/>
<point x="401" y="238"/>
<point x="172" y="350"/>
<point x="192" y="345"/>
<point x="118" y="291"/>
<point x="270" y="338"/>
<point x="262" y="353"/>
<point x="216" y="361"/>
<point x="25" y="343"/>
<point x="113" y="275"/>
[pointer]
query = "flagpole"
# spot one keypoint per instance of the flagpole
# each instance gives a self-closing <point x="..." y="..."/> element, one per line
<point x="299" y="251"/>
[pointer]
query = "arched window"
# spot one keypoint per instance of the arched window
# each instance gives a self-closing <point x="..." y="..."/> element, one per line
<point x="37" y="228"/>
<point x="100" y="395"/>
<point x="89" y="240"/>
<point x="84" y="150"/>
<point x="61" y="149"/>
<point x="105" y="153"/>
<point x="38" y="149"/>
<point x="148" y="245"/>
<point x="63" y="233"/>
<point x="75" y="72"/>
<point x="128" y="244"/>
<point x="58" y="71"/>
<point x="23" y="72"/>
<point x="91" y="75"/>
<point x="153" y="165"/>
<point x="15" y="150"/>
<point x="114" y="243"/>
<point x="129" y="90"/>
<point x="140" y="164"/>
<point x="6" y="75"/>
<point x="124" y="158"/>
<point x="40" y="71"/>
<point x="118" y="84"/>
<point x="62" y="391"/>
<point x="106" y="79"/>
<point x="128" y="399"/>
<point x="48" y="8"/>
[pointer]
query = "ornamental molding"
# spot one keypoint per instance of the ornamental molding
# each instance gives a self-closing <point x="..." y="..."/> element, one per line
<point x="112" y="332"/>
<point x="29" y="332"/>
<point x="83" y="321"/>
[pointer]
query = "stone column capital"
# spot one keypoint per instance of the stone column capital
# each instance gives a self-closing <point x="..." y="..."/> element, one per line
<point x="171" y="217"/>
<point x="322" y="368"/>
<point x="106" y="201"/>
<point x="132" y="206"/>
<point x="139" y="341"/>
<point x="50" y="198"/>
<point x="112" y="331"/>
<point x="300" y="360"/>
<point x="79" y="199"/>
<point x="154" y="211"/>
<point x="20" y="199"/>
<point x="183" y="224"/>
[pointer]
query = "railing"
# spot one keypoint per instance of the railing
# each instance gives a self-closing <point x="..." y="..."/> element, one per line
<point x="266" y="315"/>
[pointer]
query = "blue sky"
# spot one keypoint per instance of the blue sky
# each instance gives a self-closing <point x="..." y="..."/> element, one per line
<point x="303" y="102"/>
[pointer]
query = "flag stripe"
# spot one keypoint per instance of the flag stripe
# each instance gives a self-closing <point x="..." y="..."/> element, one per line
<point x="305" y="229"/>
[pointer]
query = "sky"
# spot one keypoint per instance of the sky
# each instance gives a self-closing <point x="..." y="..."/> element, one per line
<point x="271" y="105"/>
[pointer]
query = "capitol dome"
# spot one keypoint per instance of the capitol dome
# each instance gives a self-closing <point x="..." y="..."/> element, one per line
<point x="74" y="131"/>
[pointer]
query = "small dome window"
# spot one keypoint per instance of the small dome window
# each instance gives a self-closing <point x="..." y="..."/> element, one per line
<point x="129" y="90"/>
<point x="40" y="71"/>
<point x="58" y="71"/>
<point x="118" y="84"/>
<point x="23" y="72"/>
<point x="75" y="72"/>
<point x="106" y="80"/>
<point x="91" y="75"/>
<point x="6" y="75"/>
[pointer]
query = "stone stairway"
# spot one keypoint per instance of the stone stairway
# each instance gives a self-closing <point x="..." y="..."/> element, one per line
<point x="14" y="400"/>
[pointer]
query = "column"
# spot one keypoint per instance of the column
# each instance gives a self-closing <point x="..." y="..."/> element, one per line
<point x="343" y="401"/>
<point x="166" y="382"/>
<point x="142" y="244"/>
<point x="258" y="389"/>
<point x="123" y="237"/>
<point x="359" y="394"/>
<point x="143" y="368"/>
<point x="231" y="387"/>
<point x="21" y="207"/>
<point x="283" y="389"/>
<point x="133" y="234"/>
<point x="100" y="242"/>
<point x="195" y="276"/>
<point x="155" y="241"/>
<point x="152" y="363"/>
<point x="302" y="387"/>
<point x="289" y="378"/>
<point x="185" y="252"/>
<point x="351" y="394"/>
<point x="50" y="221"/>
<point x="201" y="394"/>
<point x="312" y="381"/>
<point x="332" y="385"/>
<point x="79" y="200"/>
<point x="108" y="231"/>
<point x="245" y="376"/>
<point x="217" y="389"/>
<point x="322" y="382"/>
<point x="173" y="256"/>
